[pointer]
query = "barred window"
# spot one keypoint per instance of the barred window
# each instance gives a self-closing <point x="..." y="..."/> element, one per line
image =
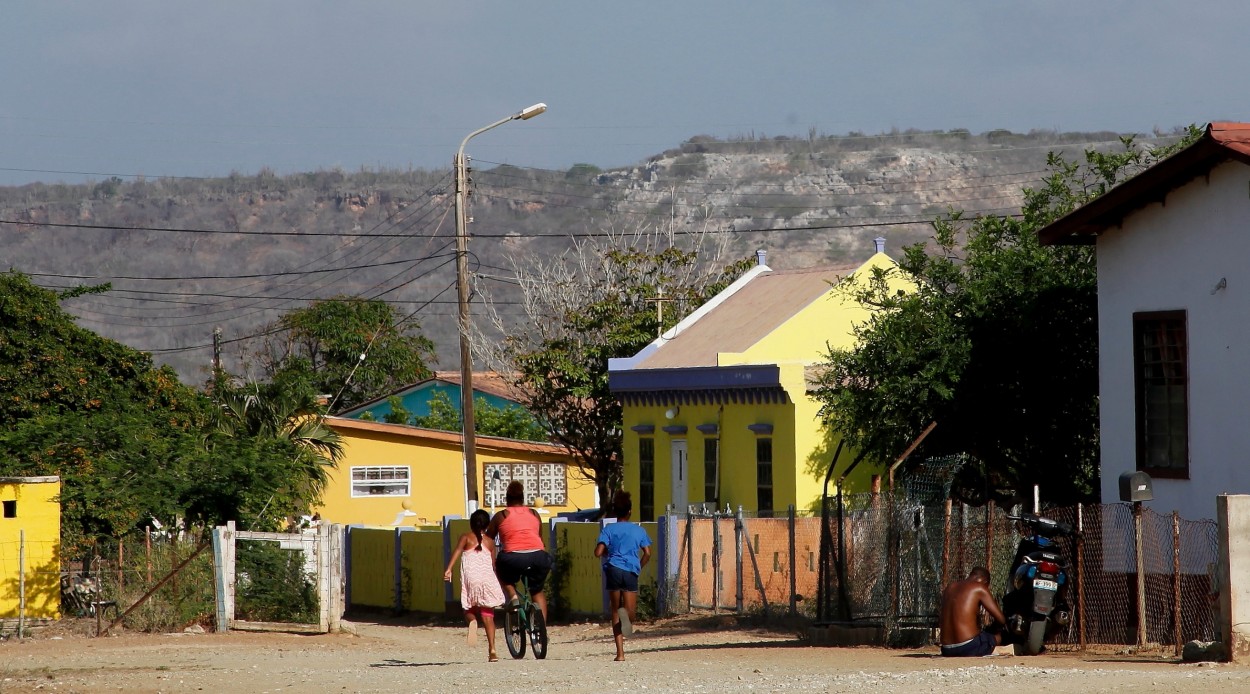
<point x="548" y="480"/>
<point x="711" y="469"/>
<point x="381" y="480"/>
<point x="1161" y="358"/>
<point x="646" y="480"/>
<point x="764" y="477"/>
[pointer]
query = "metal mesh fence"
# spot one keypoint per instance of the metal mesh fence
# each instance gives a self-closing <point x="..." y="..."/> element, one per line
<point x="117" y="572"/>
<point x="885" y="558"/>
<point x="882" y="559"/>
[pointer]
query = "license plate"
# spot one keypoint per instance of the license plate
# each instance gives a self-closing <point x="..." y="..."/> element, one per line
<point x="1044" y="584"/>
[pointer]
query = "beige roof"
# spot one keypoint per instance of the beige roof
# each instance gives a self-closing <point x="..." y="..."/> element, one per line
<point x="746" y="316"/>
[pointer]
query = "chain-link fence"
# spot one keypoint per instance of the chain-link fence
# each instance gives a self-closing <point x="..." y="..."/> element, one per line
<point x="882" y="559"/>
<point x="886" y="556"/>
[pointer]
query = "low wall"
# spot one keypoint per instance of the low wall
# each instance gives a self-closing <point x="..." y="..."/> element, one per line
<point x="402" y="568"/>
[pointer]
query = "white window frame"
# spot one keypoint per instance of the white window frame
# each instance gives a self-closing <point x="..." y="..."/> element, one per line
<point x="360" y="477"/>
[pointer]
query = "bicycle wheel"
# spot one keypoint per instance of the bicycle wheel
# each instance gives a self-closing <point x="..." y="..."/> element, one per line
<point x="538" y="633"/>
<point x="514" y="633"/>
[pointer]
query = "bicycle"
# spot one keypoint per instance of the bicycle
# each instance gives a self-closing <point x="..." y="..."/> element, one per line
<point x="525" y="620"/>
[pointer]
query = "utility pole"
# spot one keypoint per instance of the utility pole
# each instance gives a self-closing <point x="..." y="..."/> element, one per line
<point x="659" y="311"/>
<point x="467" y="419"/>
<point x="216" y="354"/>
<point x="468" y="435"/>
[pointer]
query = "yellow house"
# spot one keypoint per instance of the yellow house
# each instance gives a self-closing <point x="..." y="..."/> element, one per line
<point x="719" y="411"/>
<point x="394" y="474"/>
<point x="30" y="540"/>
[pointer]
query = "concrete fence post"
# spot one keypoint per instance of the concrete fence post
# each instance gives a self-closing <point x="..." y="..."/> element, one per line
<point x="1233" y="516"/>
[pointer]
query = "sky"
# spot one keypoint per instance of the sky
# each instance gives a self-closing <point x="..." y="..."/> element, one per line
<point x="91" y="89"/>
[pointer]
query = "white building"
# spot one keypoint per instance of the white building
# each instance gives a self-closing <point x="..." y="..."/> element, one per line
<point x="1173" y="247"/>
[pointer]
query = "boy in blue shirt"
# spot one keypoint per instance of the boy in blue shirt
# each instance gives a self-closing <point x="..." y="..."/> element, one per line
<point x="625" y="548"/>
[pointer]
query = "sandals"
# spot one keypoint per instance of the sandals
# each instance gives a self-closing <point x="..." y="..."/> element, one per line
<point x="627" y="629"/>
<point x="493" y="658"/>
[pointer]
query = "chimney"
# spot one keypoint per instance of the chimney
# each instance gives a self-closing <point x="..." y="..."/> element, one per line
<point x="761" y="257"/>
<point x="879" y="242"/>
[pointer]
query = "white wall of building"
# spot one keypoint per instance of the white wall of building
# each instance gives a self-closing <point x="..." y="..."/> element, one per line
<point x="1166" y="257"/>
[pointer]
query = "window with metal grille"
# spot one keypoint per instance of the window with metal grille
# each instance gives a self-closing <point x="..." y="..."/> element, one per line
<point x="1161" y="361"/>
<point x="548" y="480"/>
<point x="711" y="469"/>
<point x="646" y="480"/>
<point x="381" y="480"/>
<point x="764" y="477"/>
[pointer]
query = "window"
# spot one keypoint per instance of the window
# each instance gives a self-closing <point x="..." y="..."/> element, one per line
<point x="10" y="508"/>
<point x="711" y="470"/>
<point x="379" y="480"/>
<point x="764" y="477"/>
<point x="646" y="480"/>
<point x="548" y="480"/>
<point x="1161" y="361"/>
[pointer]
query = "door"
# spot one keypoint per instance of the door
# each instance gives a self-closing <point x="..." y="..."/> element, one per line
<point x="681" y="476"/>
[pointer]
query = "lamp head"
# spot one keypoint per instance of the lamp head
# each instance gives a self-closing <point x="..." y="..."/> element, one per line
<point x="531" y="111"/>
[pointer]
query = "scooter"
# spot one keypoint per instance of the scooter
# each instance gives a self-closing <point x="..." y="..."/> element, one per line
<point x="1036" y="603"/>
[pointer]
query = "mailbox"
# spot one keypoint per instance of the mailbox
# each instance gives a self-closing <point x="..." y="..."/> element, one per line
<point x="1135" y="486"/>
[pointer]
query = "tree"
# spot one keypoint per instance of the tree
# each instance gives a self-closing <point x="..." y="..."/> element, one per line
<point x="291" y="425"/>
<point x="596" y="302"/>
<point x="129" y="441"/>
<point x="349" y="348"/>
<point x="997" y="345"/>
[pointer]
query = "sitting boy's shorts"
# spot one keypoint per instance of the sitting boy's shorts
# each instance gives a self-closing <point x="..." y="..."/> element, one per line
<point x="979" y="645"/>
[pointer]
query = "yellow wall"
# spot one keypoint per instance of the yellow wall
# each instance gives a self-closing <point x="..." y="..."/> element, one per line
<point x="437" y="484"/>
<point x="575" y="554"/>
<point x="421" y="576"/>
<point x="38" y="519"/>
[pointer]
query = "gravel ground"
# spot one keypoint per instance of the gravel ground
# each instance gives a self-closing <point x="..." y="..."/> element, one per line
<point x="681" y="655"/>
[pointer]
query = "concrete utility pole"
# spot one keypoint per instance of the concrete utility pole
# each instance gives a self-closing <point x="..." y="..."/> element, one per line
<point x="467" y="422"/>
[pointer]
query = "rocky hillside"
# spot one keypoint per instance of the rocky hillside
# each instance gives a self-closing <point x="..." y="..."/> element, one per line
<point x="187" y="256"/>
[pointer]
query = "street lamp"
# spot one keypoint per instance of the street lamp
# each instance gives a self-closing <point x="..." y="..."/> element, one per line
<point x="462" y="295"/>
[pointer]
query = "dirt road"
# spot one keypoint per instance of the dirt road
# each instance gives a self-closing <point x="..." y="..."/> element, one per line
<point x="686" y="655"/>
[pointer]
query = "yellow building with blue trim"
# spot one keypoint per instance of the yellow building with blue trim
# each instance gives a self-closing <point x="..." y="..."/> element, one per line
<point x="395" y="474"/>
<point x="30" y="541"/>
<point x="719" y="411"/>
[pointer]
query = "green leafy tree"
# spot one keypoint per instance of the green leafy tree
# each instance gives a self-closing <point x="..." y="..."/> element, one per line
<point x="290" y="427"/>
<point x="595" y="303"/>
<point x="116" y="430"/>
<point x="997" y="345"/>
<point x="318" y="350"/>
<point x="129" y="441"/>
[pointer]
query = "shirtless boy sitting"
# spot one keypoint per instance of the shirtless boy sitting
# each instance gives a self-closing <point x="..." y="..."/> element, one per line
<point x="960" y="621"/>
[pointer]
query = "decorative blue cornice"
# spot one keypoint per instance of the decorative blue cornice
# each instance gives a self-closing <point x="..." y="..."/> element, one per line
<point x="753" y="383"/>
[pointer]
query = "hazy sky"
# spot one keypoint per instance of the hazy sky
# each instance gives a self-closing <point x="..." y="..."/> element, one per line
<point x="166" y="87"/>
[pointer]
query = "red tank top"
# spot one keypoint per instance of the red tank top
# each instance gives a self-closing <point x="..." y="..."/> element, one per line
<point x="519" y="531"/>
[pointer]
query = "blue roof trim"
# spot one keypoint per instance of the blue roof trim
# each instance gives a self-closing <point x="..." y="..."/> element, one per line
<point x="695" y="378"/>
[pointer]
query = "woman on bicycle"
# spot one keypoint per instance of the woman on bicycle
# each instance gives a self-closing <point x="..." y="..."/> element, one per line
<point x="625" y="549"/>
<point x="519" y="530"/>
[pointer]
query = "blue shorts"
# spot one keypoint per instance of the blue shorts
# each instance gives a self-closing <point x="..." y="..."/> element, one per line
<point x="620" y="579"/>
<point x="979" y="645"/>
